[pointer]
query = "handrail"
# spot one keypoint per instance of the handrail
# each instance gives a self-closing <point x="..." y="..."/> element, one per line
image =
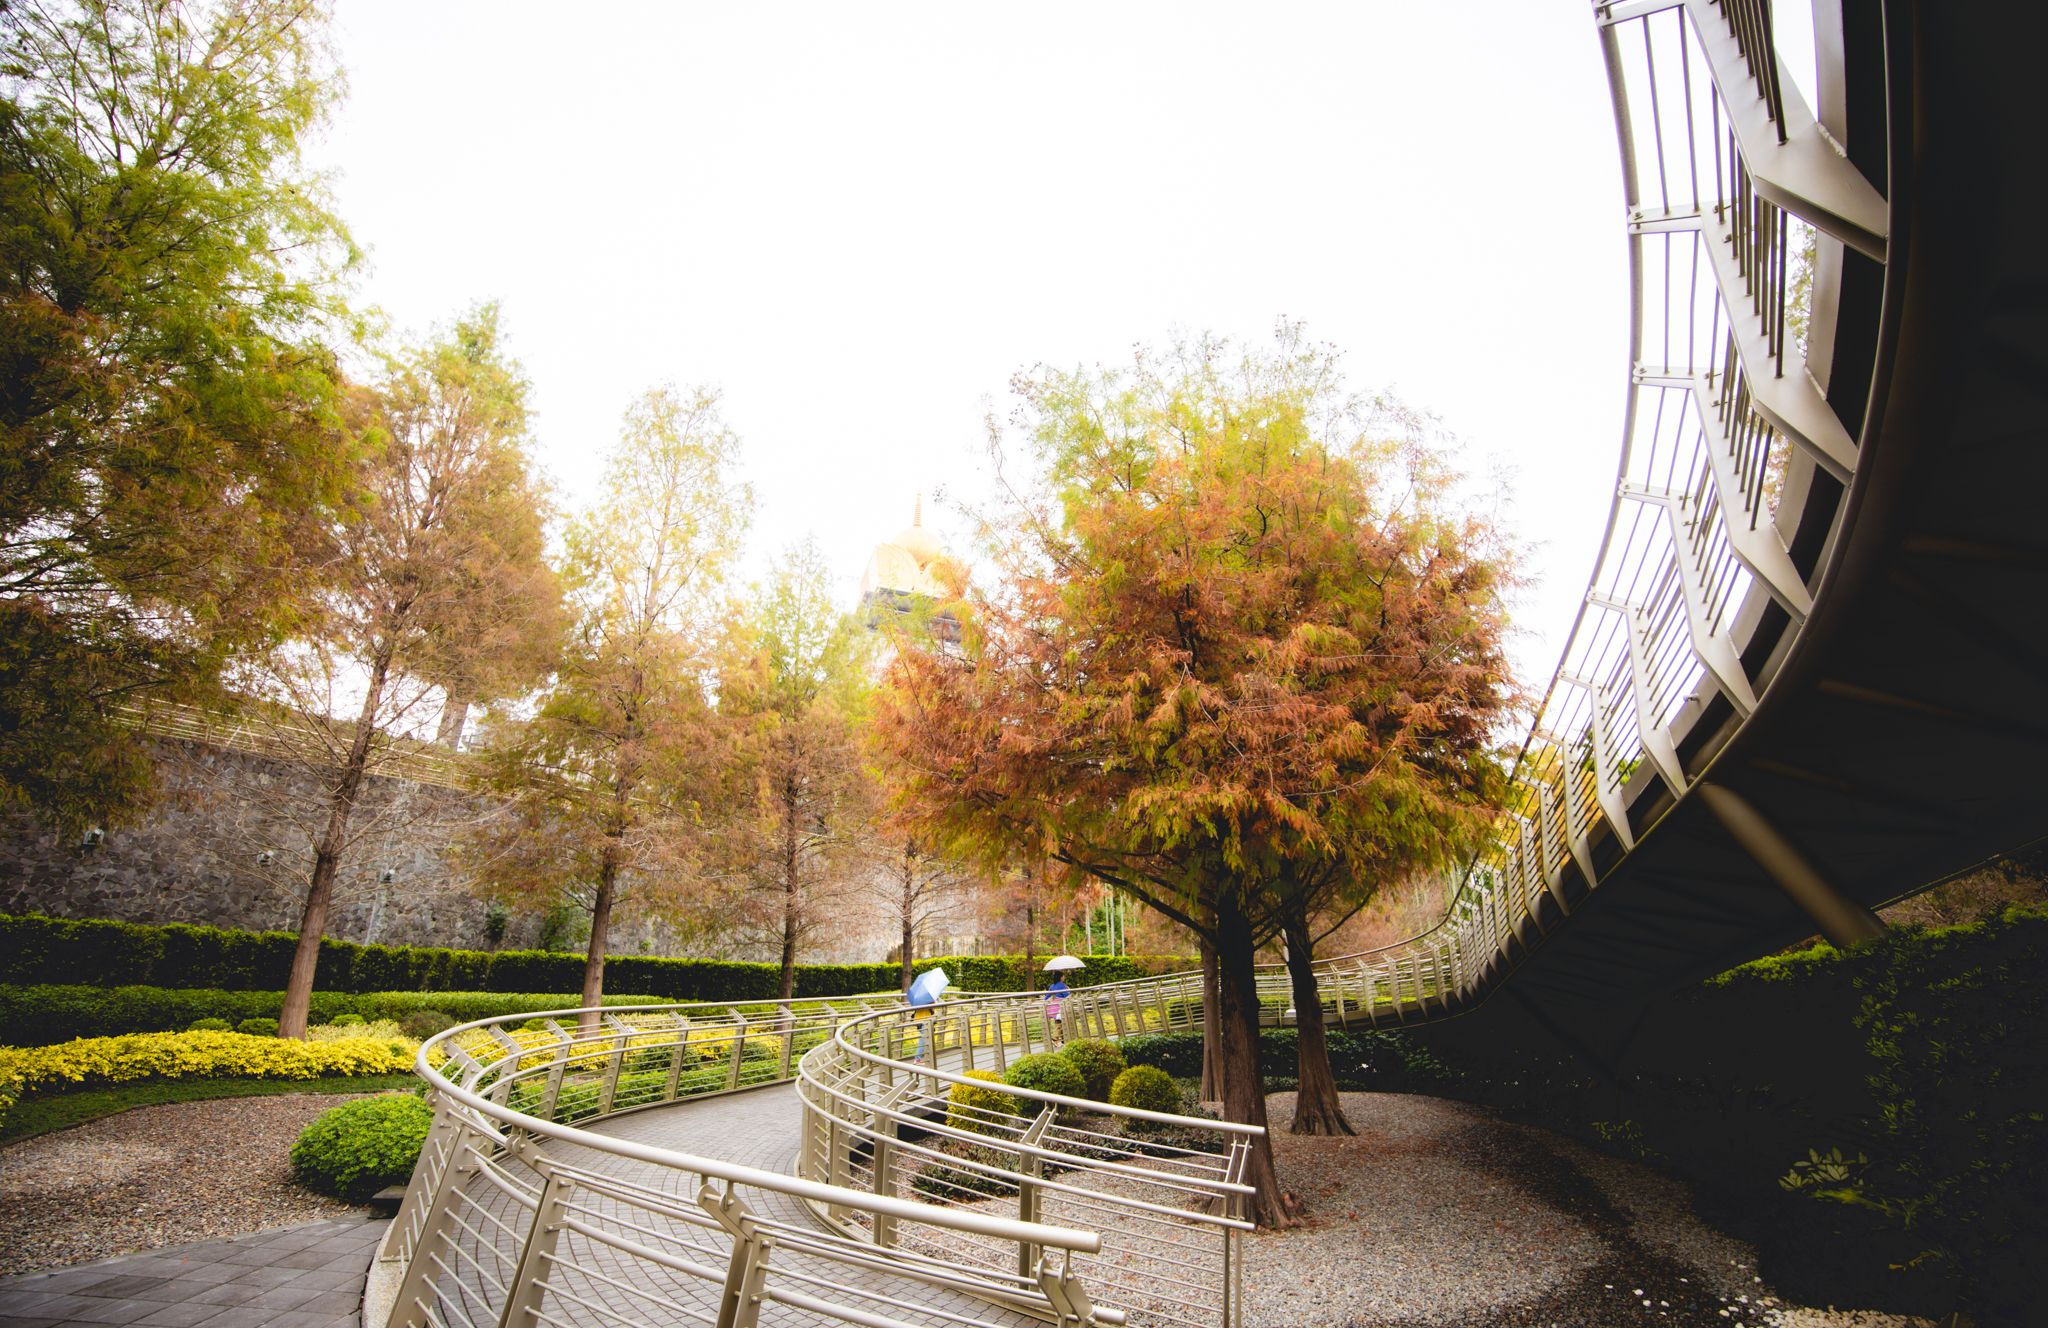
<point x="506" y="1210"/>
<point x="1167" y="1190"/>
<point x="732" y="1172"/>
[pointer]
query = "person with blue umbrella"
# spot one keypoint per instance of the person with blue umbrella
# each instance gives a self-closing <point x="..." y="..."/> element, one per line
<point x="923" y="996"/>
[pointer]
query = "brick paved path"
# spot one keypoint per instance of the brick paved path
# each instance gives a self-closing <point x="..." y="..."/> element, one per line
<point x="308" y="1276"/>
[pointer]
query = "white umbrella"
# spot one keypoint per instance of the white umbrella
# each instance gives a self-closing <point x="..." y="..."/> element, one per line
<point x="925" y="991"/>
<point x="1062" y="964"/>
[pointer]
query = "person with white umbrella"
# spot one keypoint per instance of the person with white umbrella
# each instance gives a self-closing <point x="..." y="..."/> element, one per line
<point x="1056" y="995"/>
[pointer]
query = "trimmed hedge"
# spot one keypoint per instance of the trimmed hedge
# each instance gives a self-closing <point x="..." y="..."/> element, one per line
<point x="38" y="1016"/>
<point x="982" y="1110"/>
<point x="1146" y="1088"/>
<point x="1098" y="1062"/>
<point x="40" y="950"/>
<point x="1044" y="1072"/>
<point x="358" y="1148"/>
<point x="118" y="1060"/>
<point x="1383" y="1060"/>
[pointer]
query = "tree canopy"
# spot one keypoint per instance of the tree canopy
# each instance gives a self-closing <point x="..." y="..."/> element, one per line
<point x="1240" y="652"/>
<point x="169" y="424"/>
<point x="609" y="772"/>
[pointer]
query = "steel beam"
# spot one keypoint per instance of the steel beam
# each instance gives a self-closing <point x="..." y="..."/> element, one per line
<point x="1839" y="918"/>
<point x="1792" y="163"/>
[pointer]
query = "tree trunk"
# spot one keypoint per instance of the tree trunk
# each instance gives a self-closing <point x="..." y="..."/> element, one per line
<point x="909" y="912"/>
<point x="341" y="804"/>
<point x="454" y="717"/>
<point x="1316" y="1108"/>
<point x="1212" y="1027"/>
<point x="1244" y="1089"/>
<point x="1030" y="930"/>
<point x="786" y="988"/>
<point x="600" y="927"/>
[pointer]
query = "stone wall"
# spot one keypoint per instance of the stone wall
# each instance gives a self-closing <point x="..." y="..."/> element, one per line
<point x="230" y="844"/>
<point x="200" y="857"/>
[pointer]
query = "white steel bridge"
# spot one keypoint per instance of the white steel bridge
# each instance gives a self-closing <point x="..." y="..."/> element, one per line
<point x="1807" y="679"/>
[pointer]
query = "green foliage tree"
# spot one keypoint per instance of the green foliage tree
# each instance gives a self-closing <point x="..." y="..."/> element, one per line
<point x="169" y="281"/>
<point x="608" y="775"/>
<point x="799" y="802"/>
<point x="436" y="568"/>
<point x="1240" y="655"/>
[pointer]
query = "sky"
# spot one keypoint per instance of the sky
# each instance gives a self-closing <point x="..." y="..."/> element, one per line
<point x="858" y="221"/>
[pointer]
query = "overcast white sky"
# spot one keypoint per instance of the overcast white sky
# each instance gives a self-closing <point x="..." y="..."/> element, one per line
<point x="859" y="220"/>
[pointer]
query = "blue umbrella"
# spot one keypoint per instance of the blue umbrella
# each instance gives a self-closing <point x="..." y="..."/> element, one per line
<point x="925" y="991"/>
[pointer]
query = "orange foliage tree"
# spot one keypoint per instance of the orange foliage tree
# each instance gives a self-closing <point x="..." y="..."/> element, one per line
<point x="1239" y="660"/>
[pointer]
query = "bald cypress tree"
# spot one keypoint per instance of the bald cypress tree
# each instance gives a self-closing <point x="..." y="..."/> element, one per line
<point x="1241" y="660"/>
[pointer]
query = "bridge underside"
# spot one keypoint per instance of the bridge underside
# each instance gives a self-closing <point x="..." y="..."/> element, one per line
<point x="1904" y="740"/>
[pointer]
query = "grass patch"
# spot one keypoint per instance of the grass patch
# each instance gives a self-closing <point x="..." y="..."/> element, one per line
<point x="61" y="1111"/>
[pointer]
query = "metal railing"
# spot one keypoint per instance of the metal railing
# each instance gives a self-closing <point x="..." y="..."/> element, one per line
<point x="1165" y="1191"/>
<point x="1081" y="1214"/>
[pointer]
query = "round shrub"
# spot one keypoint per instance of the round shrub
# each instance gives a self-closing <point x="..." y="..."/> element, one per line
<point x="423" y="1024"/>
<point x="979" y="1109"/>
<point x="345" y="1021"/>
<point x="360" y="1147"/>
<point x="258" y="1027"/>
<point x="1145" y="1088"/>
<point x="1098" y="1061"/>
<point x="1045" y="1073"/>
<point x="209" y="1026"/>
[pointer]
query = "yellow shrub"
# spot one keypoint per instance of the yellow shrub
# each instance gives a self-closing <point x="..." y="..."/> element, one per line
<point x="540" y="1045"/>
<point x="135" y="1056"/>
<point x="383" y="1030"/>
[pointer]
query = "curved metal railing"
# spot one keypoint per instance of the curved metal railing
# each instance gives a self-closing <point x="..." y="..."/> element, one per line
<point x="517" y="1213"/>
<point x="1164" y="1190"/>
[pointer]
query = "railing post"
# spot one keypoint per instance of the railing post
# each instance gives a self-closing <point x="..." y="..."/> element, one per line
<point x="419" y="1267"/>
<point x="739" y="1047"/>
<point x="675" y="1057"/>
<point x="966" y="1041"/>
<point x="523" y="1297"/>
<point x="1063" y="1292"/>
<point x="610" y="1091"/>
<point x="1027" y="1193"/>
<point x="739" y="1304"/>
<point x="501" y="1090"/>
<point x="435" y="1156"/>
<point x="553" y="1093"/>
<point x="886" y="1134"/>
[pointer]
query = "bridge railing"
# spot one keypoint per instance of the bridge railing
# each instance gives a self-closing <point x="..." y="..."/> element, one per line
<point x="1165" y="1191"/>
<point x="516" y="1216"/>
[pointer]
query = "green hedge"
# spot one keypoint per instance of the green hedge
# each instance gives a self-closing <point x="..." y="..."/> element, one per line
<point x="39" y="950"/>
<point x="38" y="1016"/>
<point x="1920" y="1058"/>
<point x="41" y="1015"/>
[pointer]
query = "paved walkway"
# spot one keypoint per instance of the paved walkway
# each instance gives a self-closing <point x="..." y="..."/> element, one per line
<point x="308" y="1276"/>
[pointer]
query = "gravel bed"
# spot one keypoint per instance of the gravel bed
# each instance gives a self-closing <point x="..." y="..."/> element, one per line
<point x="1437" y="1214"/>
<point x="156" y="1176"/>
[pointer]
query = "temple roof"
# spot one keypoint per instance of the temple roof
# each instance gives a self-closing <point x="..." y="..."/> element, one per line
<point x="906" y="562"/>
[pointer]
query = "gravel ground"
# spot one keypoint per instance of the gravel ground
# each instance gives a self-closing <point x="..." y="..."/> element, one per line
<point x="1438" y="1215"/>
<point x="156" y="1176"/>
